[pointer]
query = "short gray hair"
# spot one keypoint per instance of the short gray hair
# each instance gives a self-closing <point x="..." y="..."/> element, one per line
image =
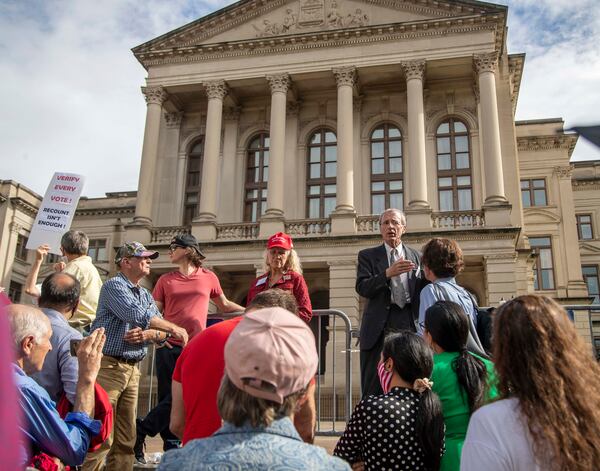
<point x="400" y="214"/>
<point x="75" y="242"/>
<point x="26" y="321"/>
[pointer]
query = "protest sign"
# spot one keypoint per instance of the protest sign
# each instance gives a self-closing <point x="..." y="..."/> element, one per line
<point x="56" y="211"/>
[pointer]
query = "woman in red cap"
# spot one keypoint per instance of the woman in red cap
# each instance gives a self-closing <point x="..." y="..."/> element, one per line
<point x="283" y="271"/>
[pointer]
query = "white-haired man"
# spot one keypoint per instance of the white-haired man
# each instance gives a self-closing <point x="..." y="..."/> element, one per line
<point x="66" y="440"/>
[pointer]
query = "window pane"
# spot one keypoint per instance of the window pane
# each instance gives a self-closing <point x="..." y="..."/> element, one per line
<point x="446" y="181"/>
<point x="92" y="253"/>
<point x="251" y="194"/>
<point x="193" y="179"/>
<point x="444" y="162"/>
<point x="539" y="197"/>
<point x="314" y="190"/>
<point x="377" y="166"/>
<point x="443" y="128"/>
<point x="377" y="134"/>
<point x="330" y="154"/>
<point x="315" y="154"/>
<point x="256" y="159"/>
<point x="394" y="132"/>
<point x="463" y="181"/>
<point x="592" y="285"/>
<point x="545" y="258"/>
<point x="191" y="198"/>
<point x="253" y="212"/>
<point x="198" y="148"/>
<point x="459" y="127"/>
<point x="330" y="189"/>
<point x="586" y="231"/>
<point x="396" y="185"/>
<point x="376" y="150"/>
<point x="266" y="157"/>
<point x="316" y="139"/>
<point x="330" y="169"/>
<point x="313" y="208"/>
<point x="524" y="184"/>
<point x="396" y="200"/>
<point x="377" y="186"/>
<point x="462" y="160"/>
<point x="464" y="200"/>
<point x="461" y="143"/>
<point x="263" y="207"/>
<point x="526" y="198"/>
<point x="396" y="165"/>
<point x="584" y="219"/>
<point x="267" y="142"/>
<point x="547" y="281"/>
<point x="395" y="148"/>
<point x="255" y="144"/>
<point x="539" y="183"/>
<point x="446" y="203"/>
<point x="377" y="204"/>
<point x="329" y="206"/>
<point x="315" y="170"/>
<point x="443" y="145"/>
<point x="330" y="137"/>
<point x="539" y="241"/>
<point x="592" y="271"/>
<point x="265" y="174"/>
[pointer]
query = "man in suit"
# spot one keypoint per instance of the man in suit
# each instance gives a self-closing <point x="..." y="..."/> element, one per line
<point x="391" y="279"/>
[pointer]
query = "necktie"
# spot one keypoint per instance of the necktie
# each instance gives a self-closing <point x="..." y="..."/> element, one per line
<point x="398" y="291"/>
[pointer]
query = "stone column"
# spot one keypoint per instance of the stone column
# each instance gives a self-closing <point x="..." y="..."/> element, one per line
<point x="485" y="65"/>
<point x="295" y="184"/>
<point x="155" y="97"/>
<point x="501" y="277"/>
<point x="169" y="174"/>
<point x="207" y="216"/>
<point x="415" y="73"/>
<point x="228" y="211"/>
<point x="343" y="219"/>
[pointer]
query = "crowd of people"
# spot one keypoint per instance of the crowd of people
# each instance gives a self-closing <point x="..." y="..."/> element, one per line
<point x="437" y="394"/>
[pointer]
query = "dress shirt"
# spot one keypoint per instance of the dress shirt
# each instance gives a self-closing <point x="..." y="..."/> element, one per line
<point x="60" y="371"/>
<point x="403" y="276"/>
<point x="89" y="279"/>
<point x="445" y="289"/>
<point x="44" y="430"/>
<point x="123" y="306"/>
<point x="251" y="448"/>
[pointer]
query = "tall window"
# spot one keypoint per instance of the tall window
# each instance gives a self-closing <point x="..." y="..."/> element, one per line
<point x="386" y="169"/>
<point x="21" y="251"/>
<point x="15" y="290"/>
<point x="584" y="226"/>
<point x="322" y="170"/>
<point x="257" y="175"/>
<point x="533" y="192"/>
<point x="455" y="189"/>
<point x="193" y="181"/>
<point x="544" y="267"/>
<point x="97" y="250"/>
<point x="590" y="276"/>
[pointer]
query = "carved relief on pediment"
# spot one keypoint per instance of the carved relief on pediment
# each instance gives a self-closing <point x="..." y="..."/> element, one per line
<point x="311" y="14"/>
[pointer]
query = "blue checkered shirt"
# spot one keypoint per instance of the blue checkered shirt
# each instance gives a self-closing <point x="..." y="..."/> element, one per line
<point x="121" y="307"/>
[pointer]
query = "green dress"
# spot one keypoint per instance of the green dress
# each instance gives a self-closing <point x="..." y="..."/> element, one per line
<point x="454" y="404"/>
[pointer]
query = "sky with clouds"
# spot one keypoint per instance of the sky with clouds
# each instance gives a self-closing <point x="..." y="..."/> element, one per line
<point x="70" y="86"/>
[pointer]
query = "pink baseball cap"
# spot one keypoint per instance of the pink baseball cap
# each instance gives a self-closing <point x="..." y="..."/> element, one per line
<point x="271" y="354"/>
<point x="281" y="239"/>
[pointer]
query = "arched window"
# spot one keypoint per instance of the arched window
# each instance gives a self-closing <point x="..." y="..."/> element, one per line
<point x="455" y="190"/>
<point x="321" y="171"/>
<point x="193" y="181"/>
<point x="257" y="174"/>
<point x="386" y="168"/>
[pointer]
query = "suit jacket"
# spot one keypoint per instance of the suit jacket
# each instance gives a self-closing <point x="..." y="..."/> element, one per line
<point x="371" y="283"/>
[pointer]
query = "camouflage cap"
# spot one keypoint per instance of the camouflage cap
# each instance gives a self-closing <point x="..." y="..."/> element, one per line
<point x="134" y="249"/>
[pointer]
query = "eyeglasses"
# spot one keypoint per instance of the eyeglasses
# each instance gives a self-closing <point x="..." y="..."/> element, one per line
<point x="173" y="248"/>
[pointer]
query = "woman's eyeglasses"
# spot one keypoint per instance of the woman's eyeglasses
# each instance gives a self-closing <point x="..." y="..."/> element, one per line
<point x="173" y="248"/>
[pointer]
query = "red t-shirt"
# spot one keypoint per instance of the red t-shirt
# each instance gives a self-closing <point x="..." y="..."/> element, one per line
<point x="290" y="281"/>
<point x="186" y="298"/>
<point x="199" y="369"/>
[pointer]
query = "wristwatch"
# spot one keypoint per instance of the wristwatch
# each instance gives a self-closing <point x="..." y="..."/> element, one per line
<point x="167" y="337"/>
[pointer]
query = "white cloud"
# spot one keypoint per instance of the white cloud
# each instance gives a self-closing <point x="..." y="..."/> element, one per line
<point x="70" y="84"/>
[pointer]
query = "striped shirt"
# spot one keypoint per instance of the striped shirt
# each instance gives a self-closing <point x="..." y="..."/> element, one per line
<point x="123" y="306"/>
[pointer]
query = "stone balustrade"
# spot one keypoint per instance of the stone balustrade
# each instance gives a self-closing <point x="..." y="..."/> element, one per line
<point x="367" y="223"/>
<point x="308" y="227"/>
<point x="238" y="231"/>
<point x="163" y="235"/>
<point x="457" y="220"/>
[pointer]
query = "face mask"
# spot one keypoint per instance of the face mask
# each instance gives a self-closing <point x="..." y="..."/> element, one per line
<point x="385" y="377"/>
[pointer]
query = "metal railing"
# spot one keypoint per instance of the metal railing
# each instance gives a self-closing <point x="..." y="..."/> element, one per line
<point x="333" y="405"/>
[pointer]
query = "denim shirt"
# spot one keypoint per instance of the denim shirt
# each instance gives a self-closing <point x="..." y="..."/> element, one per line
<point x="445" y="289"/>
<point x="277" y="447"/>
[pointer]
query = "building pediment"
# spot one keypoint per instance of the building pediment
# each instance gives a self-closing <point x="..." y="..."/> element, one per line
<point x="540" y="216"/>
<point x="249" y="24"/>
<point x="589" y="248"/>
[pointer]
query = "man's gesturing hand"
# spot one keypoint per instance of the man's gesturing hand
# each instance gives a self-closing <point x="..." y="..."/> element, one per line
<point x="89" y="354"/>
<point x="399" y="267"/>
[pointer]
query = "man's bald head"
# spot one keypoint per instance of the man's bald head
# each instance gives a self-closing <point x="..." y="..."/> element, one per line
<point x="26" y="321"/>
<point x="60" y="291"/>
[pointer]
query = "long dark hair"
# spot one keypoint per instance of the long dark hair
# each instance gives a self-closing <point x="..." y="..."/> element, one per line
<point x="448" y="326"/>
<point x="413" y="360"/>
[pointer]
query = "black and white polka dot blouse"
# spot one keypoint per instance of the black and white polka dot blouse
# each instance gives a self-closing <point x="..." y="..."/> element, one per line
<point x="381" y="432"/>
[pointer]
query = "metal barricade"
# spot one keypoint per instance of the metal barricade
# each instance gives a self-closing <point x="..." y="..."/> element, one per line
<point x="334" y="401"/>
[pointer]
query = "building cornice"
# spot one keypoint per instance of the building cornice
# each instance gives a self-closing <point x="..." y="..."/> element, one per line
<point x="537" y="143"/>
<point x="181" y="54"/>
<point x="124" y="211"/>
<point x="21" y="204"/>
<point x="585" y="185"/>
<point x="515" y="68"/>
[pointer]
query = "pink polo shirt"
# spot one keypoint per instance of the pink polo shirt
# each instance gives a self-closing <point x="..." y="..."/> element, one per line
<point x="186" y="298"/>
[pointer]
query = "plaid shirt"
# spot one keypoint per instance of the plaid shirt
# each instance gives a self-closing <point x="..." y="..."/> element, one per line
<point x="121" y="307"/>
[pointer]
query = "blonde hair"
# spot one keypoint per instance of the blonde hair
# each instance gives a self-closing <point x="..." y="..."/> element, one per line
<point x="291" y="264"/>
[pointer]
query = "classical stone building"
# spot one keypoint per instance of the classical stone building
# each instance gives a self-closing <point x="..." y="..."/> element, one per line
<point x="312" y="116"/>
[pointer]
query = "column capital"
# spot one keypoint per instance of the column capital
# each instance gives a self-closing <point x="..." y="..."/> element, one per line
<point x="279" y="83"/>
<point x="216" y="89"/>
<point x="173" y="120"/>
<point x="487" y="62"/>
<point x="345" y="76"/>
<point x="414" y="69"/>
<point x="563" y="171"/>
<point x="15" y="228"/>
<point x="154" y="95"/>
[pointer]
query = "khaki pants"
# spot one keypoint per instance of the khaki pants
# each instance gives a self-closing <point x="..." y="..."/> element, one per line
<point x="121" y="381"/>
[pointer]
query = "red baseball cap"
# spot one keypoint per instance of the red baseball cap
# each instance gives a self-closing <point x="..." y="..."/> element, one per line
<point x="281" y="239"/>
